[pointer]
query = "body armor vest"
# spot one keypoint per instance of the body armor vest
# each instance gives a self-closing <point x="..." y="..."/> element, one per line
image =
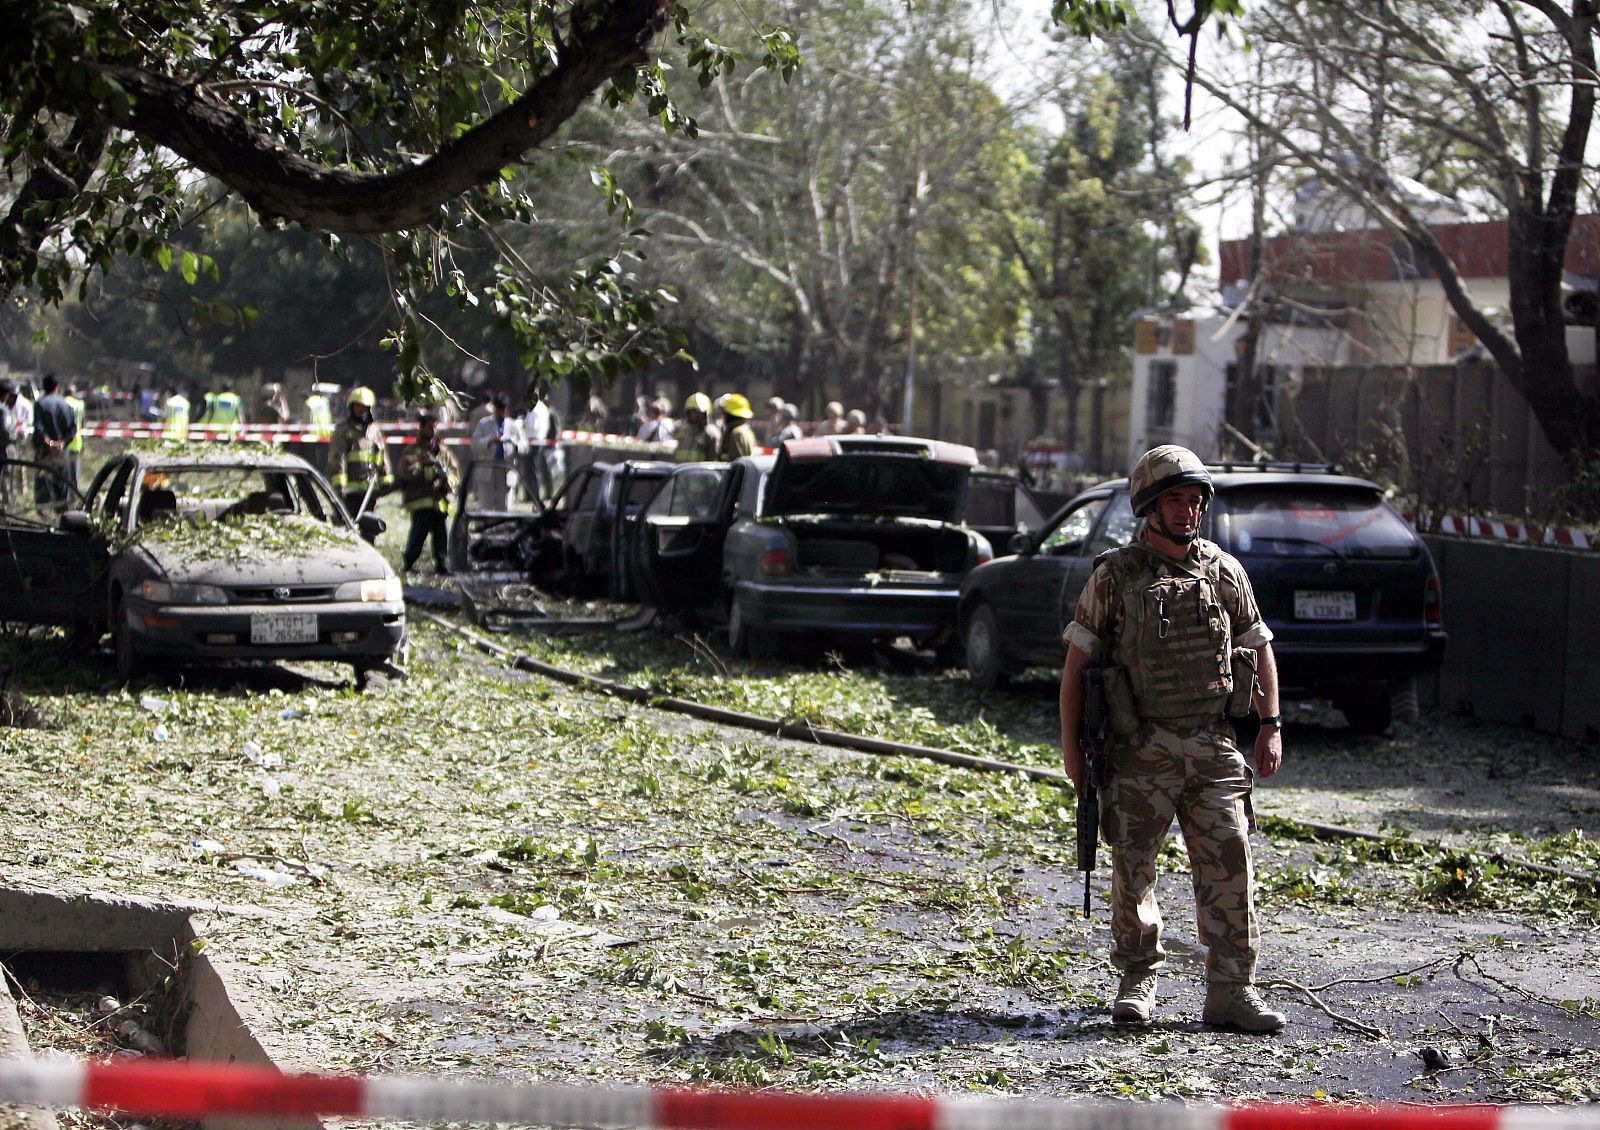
<point x="1173" y="638"/>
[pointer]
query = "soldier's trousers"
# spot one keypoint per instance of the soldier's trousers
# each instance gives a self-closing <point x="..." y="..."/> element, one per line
<point x="1202" y="780"/>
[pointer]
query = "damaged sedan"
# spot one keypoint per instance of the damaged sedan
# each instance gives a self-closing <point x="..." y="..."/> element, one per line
<point x="233" y="552"/>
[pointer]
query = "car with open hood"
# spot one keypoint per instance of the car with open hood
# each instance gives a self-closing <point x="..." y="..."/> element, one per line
<point x="229" y="552"/>
<point x="832" y="539"/>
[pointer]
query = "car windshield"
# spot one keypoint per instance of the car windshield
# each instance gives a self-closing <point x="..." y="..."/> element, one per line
<point x="210" y="494"/>
<point x="1302" y="520"/>
<point x="861" y="485"/>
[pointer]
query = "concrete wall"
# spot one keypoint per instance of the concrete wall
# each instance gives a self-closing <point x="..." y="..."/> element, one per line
<point x="1524" y="628"/>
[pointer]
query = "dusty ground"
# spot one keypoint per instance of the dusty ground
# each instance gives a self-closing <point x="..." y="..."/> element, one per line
<point x="483" y="873"/>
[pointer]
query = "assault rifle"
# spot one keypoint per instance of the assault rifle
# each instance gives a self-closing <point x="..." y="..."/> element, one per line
<point x="1094" y="729"/>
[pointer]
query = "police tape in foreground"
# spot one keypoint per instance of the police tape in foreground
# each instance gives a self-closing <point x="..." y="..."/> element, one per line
<point x="189" y="1089"/>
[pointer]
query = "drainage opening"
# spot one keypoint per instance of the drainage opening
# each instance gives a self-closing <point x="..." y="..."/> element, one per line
<point x="99" y="1005"/>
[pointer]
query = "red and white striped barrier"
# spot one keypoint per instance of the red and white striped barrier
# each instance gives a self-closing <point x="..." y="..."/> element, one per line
<point x="1466" y="527"/>
<point x="394" y="434"/>
<point x="181" y="1089"/>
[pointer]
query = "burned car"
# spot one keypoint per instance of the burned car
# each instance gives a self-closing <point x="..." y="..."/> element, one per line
<point x="229" y="553"/>
<point x="832" y="539"/>
<point x="572" y="544"/>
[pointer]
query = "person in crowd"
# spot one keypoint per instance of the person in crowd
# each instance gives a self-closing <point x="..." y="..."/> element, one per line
<point x="738" y="437"/>
<point x="495" y="446"/>
<point x="774" y="422"/>
<point x="833" y="421"/>
<point x="427" y="476"/>
<point x="657" y="427"/>
<point x="1171" y="679"/>
<point x="698" y="438"/>
<point x="74" y="398"/>
<point x="274" y="405"/>
<point x="19" y="432"/>
<point x="223" y="411"/>
<point x="55" y="424"/>
<point x="174" y="415"/>
<point x="542" y="432"/>
<point x="856" y="422"/>
<point x="788" y="427"/>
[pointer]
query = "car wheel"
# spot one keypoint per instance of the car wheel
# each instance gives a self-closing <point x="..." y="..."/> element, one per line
<point x="744" y="641"/>
<point x="1368" y="709"/>
<point x="124" y="654"/>
<point x="985" y="654"/>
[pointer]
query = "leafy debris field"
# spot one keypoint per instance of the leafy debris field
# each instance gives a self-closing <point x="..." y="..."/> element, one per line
<point x="480" y="872"/>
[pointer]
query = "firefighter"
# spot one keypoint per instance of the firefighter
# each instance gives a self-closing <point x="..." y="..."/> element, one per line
<point x="358" y="459"/>
<point x="427" y="476"/>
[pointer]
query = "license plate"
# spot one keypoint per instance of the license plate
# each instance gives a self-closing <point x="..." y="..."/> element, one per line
<point x="283" y="627"/>
<point x="1324" y="605"/>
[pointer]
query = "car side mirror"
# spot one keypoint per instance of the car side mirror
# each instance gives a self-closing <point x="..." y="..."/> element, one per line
<point x="74" y="522"/>
<point x="1021" y="542"/>
<point x="370" y="525"/>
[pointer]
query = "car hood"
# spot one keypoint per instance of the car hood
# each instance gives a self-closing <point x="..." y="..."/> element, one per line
<point x="278" y="552"/>
<point x="867" y="485"/>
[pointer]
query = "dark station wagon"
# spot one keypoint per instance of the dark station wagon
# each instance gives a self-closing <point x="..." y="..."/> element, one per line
<point x="833" y="539"/>
<point x="1348" y="589"/>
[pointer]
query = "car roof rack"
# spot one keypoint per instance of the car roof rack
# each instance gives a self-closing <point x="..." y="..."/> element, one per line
<point x="1296" y="468"/>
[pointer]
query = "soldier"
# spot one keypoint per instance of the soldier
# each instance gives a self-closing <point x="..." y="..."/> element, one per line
<point x="1173" y="620"/>
<point x="427" y="478"/>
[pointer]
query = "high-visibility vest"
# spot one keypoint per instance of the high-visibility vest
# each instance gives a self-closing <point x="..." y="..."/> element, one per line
<point x="76" y="446"/>
<point x="359" y="457"/>
<point x="321" y="415"/>
<point x="225" y="410"/>
<point x="176" y="417"/>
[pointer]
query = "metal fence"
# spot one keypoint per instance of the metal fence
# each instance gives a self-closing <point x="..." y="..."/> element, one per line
<point x="1524" y="628"/>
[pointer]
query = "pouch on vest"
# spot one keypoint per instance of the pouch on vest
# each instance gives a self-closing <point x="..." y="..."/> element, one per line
<point x="1245" y="684"/>
<point x="1177" y="648"/>
<point x="1119" y="703"/>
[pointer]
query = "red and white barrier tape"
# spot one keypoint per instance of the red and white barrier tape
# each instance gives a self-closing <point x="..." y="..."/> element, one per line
<point x="182" y="1089"/>
<point x="394" y="434"/>
<point x="1564" y="536"/>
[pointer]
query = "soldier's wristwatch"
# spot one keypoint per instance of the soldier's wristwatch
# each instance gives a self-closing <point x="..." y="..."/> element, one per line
<point x="1273" y="720"/>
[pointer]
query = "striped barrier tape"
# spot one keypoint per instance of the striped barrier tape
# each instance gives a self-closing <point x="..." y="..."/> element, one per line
<point x="183" y="1089"/>
<point x="1565" y="537"/>
<point x="394" y="434"/>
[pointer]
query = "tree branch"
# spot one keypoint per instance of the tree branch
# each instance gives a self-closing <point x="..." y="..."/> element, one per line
<point x="283" y="185"/>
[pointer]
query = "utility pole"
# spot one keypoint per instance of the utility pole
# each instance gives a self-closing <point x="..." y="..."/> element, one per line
<point x="913" y="220"/>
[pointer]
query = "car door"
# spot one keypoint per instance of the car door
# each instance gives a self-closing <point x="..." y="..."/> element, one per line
<point x="1034" y="595"/>
<point x="683" y="531"/>
<point x="52" y="568"/>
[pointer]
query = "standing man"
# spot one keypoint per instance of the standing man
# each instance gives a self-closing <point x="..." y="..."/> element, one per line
<point x="54" y="426"/>
<point x="1173" y="621"/>
<point x="788" y="428"/>
<point x="223" y="412"/>
<point x="175" y="416"/>
<point x="833" y="423"/>
<point x="427" y="478"/>
<point x="494" y="441"/>
<point x="738" y="437"/>
<point x="698" y="439"/>
<point x="357" y="456"/>
<point x="75" y="448"/>
<point x="319" y="413"/>
<point x="19" y="429"/>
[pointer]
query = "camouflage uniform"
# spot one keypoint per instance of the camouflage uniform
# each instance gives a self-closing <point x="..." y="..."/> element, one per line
<point x="1180" y="760"/>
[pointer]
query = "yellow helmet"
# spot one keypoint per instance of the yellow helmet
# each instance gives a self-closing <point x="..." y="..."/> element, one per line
<point x="698" y="402"/>
<point x="736" y="404"/>
<point x="362" y="395"/>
